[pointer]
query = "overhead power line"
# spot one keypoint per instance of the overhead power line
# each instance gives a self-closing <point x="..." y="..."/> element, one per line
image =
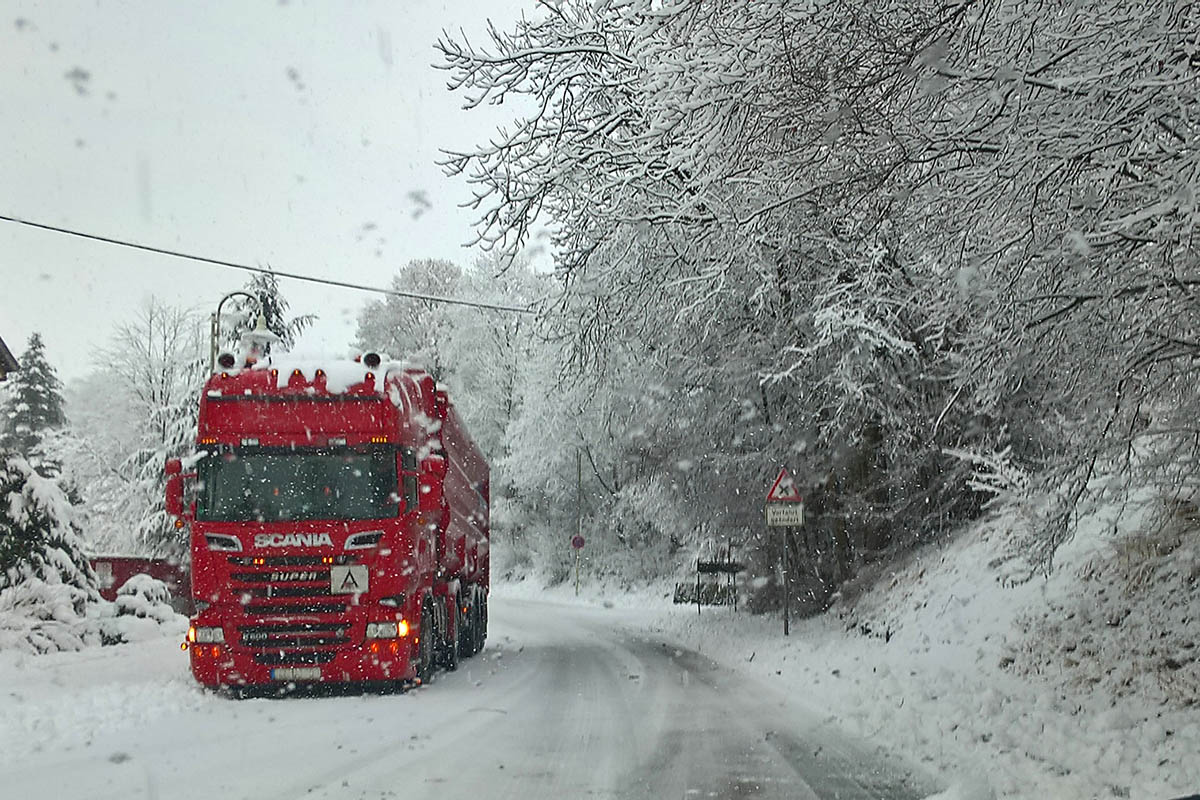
<point x="263" y="270"/>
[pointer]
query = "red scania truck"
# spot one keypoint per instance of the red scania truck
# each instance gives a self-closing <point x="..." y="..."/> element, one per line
<point x="339" y="531"/>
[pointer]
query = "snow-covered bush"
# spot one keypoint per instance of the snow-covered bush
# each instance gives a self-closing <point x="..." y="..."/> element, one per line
<point x="144" y="596"/>
<point x="142" y="610"/>
<point x="46" y="583"/>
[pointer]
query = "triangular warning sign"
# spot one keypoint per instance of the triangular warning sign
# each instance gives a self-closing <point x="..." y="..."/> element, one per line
<point x="784" y="489"/>
<point x="349" y="584"/>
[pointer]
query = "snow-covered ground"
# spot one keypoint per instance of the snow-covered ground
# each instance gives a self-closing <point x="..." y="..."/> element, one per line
<point x="566" y="701"/>
<point x="1080" y="685"/>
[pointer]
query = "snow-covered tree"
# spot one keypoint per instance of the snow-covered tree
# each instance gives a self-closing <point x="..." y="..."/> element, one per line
<point x="46" y="582"/>
<point x="416" y="330"/>
<point x="33" y="407"/>
<point x="274" y="308"/>
<point x="911" y="236"/>
<point x="146" y="413"/>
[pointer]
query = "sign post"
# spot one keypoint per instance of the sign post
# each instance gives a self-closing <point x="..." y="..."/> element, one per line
<point x="785" y="509"/>
<point x="577" y="543"/>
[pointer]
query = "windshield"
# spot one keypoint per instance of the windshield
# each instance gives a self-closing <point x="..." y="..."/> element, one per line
<point x="274" y="486"/>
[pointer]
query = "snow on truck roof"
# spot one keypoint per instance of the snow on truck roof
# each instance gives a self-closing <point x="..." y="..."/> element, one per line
<point x="338" y="376"/>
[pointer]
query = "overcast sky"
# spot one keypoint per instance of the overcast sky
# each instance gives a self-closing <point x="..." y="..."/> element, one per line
<point x="298" y="135"/>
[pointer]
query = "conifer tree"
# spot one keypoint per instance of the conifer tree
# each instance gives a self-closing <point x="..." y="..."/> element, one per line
<point x="273" y="306"/>
<point x="46" y="581"/>
<point x="34" y="407"/>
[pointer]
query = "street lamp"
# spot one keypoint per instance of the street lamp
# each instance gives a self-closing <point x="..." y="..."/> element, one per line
<point x="215" y="330"/>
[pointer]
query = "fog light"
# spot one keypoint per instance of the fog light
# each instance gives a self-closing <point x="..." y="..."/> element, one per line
<point x="207" y="635"/>
<point x="383" y="630"/>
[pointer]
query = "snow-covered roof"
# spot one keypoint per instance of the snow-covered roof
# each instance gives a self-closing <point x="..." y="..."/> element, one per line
<point x="8" y="363"/>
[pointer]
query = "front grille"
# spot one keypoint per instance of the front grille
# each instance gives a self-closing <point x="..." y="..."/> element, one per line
<point x="275" y="561"/>
<point x="304" y="634"/>
<point x="280" y="577"/>
<point x="295" y="657"/>
<point x="283" y="576"/>
<point x="289" y="586"/>
<point x="296" y="608"/>
<point x="287" y="591"/>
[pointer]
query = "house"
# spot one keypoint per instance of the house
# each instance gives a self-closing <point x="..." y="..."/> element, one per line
<point x="7" y="362"/>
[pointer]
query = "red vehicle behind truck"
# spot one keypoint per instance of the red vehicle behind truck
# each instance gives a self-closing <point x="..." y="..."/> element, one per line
<point x="339" y="531"/>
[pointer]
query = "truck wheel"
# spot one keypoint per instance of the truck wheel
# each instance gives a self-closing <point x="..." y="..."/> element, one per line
<point x="470" y="623"/>
<point x="465" y="637"/>
<point x="450" y="661"/>
<point x="481" y="624"/>
<point x="425" y="647"/>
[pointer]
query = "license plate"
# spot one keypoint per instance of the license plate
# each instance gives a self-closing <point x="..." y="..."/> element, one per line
<point x="348" y="579"/>
<point x="296" y="674"/>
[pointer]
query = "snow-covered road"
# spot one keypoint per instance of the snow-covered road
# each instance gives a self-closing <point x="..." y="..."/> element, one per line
<point x="565" y="702"/>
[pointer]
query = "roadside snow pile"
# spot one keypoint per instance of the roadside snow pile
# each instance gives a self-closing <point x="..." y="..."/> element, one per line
<point x="141" y="611"/>
<point x="1080" y="685"/>
<point x="44" y="616"/>
<point x="58" y="703"/>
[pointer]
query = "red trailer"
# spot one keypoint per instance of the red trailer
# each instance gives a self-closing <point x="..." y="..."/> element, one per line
<point x="339" y="531"/>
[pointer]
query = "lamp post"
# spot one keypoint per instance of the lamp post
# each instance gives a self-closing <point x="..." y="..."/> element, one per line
<point x="215" y="330"/>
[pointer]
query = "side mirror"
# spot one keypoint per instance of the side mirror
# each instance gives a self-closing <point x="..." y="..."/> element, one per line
<point x="174" y="504"/>
<point x="433" y="473"/>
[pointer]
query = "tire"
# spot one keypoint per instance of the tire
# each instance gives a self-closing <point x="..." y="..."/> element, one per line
<point x="425" y="647"/>
<point x="481" y="624"/>
<point x="469" y="639"/>
<point x="450" y="651"/>
<point x="466" y="639"/>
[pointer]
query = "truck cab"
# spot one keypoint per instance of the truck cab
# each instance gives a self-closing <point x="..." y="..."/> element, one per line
<point x="339" y="526"/>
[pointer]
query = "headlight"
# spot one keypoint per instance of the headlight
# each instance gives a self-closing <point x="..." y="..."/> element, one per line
<point x="206" y="635"/>
<point x="386" y="630"/>
<point x="219" y="541"/>
<point x="360" y="541"/>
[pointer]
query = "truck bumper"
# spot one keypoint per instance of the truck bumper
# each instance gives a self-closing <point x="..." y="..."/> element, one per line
<point x="232" y="663"/>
